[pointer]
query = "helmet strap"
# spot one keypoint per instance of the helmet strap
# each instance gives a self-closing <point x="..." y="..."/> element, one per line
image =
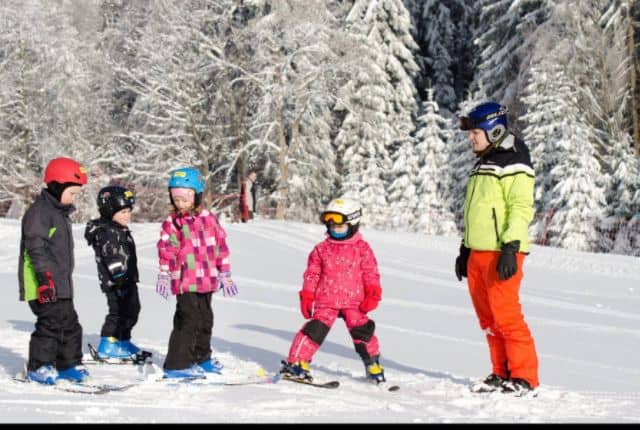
<point x="56" y="188"/>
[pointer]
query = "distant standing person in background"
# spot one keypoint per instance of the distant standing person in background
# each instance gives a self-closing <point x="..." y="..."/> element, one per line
<point x="248" y="197"/>
<point x="498" y="208"/>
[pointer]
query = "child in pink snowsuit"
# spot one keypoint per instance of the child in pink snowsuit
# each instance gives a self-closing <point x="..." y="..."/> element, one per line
<point x="341" y="280"/>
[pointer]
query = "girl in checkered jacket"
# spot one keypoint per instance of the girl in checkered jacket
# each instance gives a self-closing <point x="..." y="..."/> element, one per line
<point x="194" y="263"/>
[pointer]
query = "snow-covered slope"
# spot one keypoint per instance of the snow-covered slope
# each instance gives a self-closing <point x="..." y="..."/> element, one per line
<point x="582" y="309"/>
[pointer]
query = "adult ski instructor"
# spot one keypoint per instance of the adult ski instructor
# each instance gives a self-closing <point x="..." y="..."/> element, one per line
<point x="498" y="208"/>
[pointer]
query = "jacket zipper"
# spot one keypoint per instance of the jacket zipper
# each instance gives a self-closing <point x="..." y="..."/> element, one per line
<point x="466" y="212"/>
<point x="495" y="225"/>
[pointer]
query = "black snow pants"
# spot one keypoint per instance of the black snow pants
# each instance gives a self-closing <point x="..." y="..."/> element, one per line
<point x="57" y="339"/>
<point x="190" y="341"/>
<point x="124" y="308"/>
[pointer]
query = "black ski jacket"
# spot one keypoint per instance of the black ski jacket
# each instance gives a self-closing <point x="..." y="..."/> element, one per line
<point x="115" y="253"/>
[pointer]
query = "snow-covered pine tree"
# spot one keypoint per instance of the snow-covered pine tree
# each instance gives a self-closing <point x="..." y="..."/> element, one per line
<point x="297" y="64"/>
<point x="401" y="192"/>
<point x="312" y="169"/>
<point x="574" y="185"/>
<point x="504" y="46"/>
<point x="361" y="143"/>
<point x="445" y="61"/>
<point x="623" y="204"/>
<point x="380" y="102"/>
<point x="436" y="35"/>
<point x="577" y="199"/>
<point x="604" y="34"/>
<point x="545" y="100"/>
<point x="433" y="147"/>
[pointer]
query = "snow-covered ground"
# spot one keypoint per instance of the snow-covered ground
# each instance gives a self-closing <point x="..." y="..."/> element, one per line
<point x="582" y="309"/>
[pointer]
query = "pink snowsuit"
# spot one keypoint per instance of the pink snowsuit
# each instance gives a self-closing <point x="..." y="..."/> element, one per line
<point x="338" y="272"/>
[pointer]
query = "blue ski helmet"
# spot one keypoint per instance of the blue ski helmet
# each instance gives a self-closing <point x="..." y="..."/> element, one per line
<point x="490" y="117"/>
<point x="187" y="177"/>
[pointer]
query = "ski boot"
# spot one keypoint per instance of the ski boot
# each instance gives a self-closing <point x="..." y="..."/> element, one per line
<point x="375" y="372"/>
<point x="299" y="370"/>
<point x="127" y="345"/>
<point x="211" y="366"/>
<point x="518" y="387"/>
<point x="46" y="374"/>
<point x="193" y="372"/>
<point x="137" y="355"/>
<point x="490" y="384"/>
<point x="76" y="373"/>
<point x="110" y="347"/>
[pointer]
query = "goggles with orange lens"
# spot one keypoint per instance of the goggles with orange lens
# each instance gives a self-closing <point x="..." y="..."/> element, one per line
<point x="338" y="218"/>
<point x="332" y="217"/>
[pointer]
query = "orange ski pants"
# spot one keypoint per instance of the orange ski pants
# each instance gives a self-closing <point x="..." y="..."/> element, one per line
<point x="497" y="305"/>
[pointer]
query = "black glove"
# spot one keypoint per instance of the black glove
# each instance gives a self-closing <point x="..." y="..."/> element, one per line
<point x="461" y="262"/>
<point x="507" y="263"/>
<point x="46" y="288"/>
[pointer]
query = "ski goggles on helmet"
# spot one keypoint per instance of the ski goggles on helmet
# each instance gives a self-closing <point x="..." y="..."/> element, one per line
<point x="469" y="123"/>
<point x="339" y="218"/>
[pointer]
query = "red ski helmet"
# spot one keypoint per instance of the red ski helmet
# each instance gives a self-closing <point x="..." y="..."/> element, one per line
<point x="65" y="170"/>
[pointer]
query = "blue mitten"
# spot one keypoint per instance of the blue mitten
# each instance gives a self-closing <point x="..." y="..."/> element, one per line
<point x="229" y="288"/>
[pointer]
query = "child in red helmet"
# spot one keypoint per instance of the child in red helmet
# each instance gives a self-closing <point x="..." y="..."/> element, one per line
<point x="45" y="276"/>
<point x="341" y="280"/>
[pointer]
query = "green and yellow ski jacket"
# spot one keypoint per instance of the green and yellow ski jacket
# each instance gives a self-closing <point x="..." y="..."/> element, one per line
<point x="498" y="206"/>
<point x="46" y="245"/>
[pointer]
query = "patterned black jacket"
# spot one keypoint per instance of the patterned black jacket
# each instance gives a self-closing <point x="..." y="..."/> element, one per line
<point x="115" y="253"/>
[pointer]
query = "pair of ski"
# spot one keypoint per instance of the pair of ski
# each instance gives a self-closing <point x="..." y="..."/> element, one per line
<point x="142" y="357"/>
<point x="204" y="381"/>
<point x="70" y="386"/>
<point x="485" y="389"/>
<point x="331" y="384"/>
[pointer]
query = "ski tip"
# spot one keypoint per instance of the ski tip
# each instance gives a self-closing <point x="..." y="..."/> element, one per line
<point x="393" y="388"/>
<point x="261" y="372"/>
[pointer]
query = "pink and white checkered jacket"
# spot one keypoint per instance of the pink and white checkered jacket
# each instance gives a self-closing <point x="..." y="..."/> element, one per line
<point x="193" y="249"/>
<point x="339" y="270"/>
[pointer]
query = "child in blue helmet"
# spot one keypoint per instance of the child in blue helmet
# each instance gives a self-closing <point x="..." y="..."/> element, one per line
<point x="194" y="263"/>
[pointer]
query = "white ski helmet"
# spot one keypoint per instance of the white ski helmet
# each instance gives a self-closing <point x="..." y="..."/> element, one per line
<point x="342" y="211"/>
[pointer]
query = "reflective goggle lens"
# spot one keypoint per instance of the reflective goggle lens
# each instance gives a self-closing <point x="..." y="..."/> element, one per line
<point x="333" y="217"/>
<point x="466" y="123"/>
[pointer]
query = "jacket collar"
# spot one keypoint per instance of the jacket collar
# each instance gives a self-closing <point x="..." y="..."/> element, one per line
<point x="356" y="237"/>
<point x="66" y="209"/>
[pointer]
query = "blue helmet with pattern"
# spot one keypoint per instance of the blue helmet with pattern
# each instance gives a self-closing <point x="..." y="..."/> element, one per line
<point x="187" y="177"/>
<point x="490" y="117"/>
